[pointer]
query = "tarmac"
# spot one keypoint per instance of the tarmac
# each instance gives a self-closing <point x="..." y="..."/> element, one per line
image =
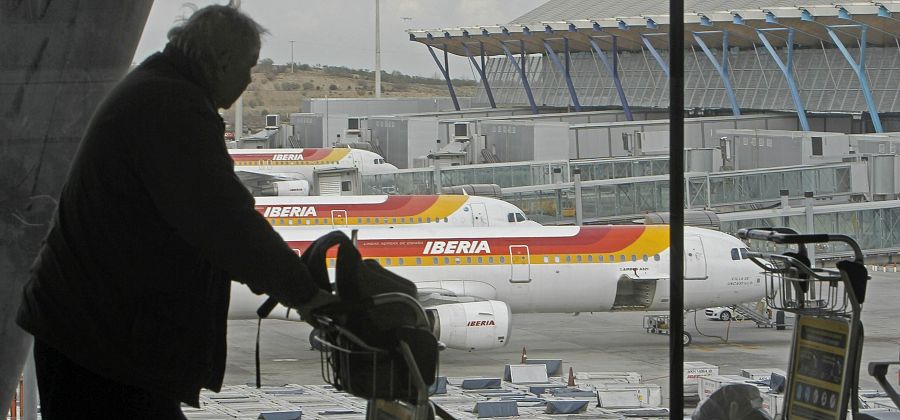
<point x="587" y="342"/>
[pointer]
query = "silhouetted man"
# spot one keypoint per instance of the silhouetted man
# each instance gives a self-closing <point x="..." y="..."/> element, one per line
<point x="128" y="298"/>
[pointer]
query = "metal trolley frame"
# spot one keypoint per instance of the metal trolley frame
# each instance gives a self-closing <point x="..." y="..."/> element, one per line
<point x="828" y="333"/>
<point x="344" y="356"/>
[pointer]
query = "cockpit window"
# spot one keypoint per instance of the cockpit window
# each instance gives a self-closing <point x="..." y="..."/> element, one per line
<point x="520" y="217"/>
<point x="735" y="254"/>
<point x="745" y="253"/>
<point x="511" y="217"/>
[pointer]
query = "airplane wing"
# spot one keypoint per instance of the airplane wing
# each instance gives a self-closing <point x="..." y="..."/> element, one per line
<point x="434" y="297"/>
<point x="255" y="178"/>
<point x="435" y="293"/>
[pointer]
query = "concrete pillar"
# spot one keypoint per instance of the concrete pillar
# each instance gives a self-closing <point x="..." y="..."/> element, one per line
<point x="808" y="200"/>
<point x="57" y="64"/>
<point x="785" y="205"/>
<point x="579" y="214"/>
<point x="437" y="176"/>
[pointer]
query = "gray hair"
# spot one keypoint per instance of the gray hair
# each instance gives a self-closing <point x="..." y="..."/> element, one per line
<point x="214" y="32"/>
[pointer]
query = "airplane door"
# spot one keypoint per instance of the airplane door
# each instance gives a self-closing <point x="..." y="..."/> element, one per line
<point x="338" y="218"/>
<point x="694" y="258"/>
<point x="479" y="214"/>
<point x="519" y="264"/>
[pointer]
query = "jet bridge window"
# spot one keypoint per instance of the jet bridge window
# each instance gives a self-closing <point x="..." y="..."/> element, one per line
<point x="817" y="146"/>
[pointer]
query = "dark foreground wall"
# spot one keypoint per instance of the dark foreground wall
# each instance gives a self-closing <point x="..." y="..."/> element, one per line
<point x="57" y="61"/>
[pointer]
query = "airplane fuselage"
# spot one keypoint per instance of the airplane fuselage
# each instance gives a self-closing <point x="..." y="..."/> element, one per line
<point x="555" y="269"/>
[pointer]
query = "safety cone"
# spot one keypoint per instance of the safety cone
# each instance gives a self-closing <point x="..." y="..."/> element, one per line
<point x="524" y="356"/>
<point x="571" y="381"/>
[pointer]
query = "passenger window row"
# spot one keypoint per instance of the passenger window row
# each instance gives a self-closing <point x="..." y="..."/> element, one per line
<point x="359" y="220"/>
<point x="490" y="259"/>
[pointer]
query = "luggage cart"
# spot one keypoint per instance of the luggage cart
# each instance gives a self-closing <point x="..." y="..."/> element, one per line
<point x="823" y="376"/>
<point x="659" y="324"/>
<point x="388" y="377"/>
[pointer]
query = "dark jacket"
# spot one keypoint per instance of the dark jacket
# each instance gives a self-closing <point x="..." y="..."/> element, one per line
<point x="132" y="281"/>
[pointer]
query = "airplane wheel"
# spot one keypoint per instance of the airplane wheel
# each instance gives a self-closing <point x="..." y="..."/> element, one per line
<point x="725" y="316"/>
<point x="687" y="339"/>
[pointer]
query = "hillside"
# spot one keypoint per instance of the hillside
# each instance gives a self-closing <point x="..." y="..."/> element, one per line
<point x="275" y="90"/>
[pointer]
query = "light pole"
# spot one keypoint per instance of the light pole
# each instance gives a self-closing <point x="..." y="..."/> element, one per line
<point x="292" y="56"/>
<point x="377" y="49"/>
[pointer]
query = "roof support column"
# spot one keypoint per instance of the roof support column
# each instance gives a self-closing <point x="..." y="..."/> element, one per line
<point x="860" y="70"/>
<point x="613" y="70"/>
<point x="722" y="67"/>
<point x="484" y="80"/>
<point x="787" y="70"/>
<point x="655" y="54"/>
<point x="564" y="70"/>
<point x="445" y="70"/>
<point x="522" y="75"/>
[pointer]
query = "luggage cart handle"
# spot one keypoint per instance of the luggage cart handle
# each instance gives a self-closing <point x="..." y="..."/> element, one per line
<point x="879" y="371"/>
<point x="789" y="236"/>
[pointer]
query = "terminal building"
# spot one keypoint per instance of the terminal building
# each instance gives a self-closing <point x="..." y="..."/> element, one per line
<point x="792" y="116"/>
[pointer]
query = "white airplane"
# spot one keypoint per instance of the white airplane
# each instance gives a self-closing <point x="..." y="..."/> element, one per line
<point x="472" y="279"/>
<point x="288" y="172"/>
<point x="390" y="210"/>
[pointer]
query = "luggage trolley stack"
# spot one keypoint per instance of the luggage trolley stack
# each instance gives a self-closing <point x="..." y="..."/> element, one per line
<point x="387" y="374"/>
<point x="828" y="334"/>
<point x="377" y="342"/>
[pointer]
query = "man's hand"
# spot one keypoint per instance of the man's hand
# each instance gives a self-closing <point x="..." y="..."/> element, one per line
<point x="321" y="299"/>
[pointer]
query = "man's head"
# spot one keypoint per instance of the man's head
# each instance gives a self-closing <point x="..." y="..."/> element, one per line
<point x="225" y="44"/>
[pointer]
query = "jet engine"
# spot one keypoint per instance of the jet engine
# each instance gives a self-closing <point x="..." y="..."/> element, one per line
<point x="472" y="325"/>
<point x="286" y="188"/>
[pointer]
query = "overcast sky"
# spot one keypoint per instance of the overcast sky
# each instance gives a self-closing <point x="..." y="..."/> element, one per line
<point x="340" y="32"/>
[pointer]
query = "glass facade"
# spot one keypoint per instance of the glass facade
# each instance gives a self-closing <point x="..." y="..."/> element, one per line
<point x="632" y="197"/>
<point x="508" y="175"/>
<point x="872" y="228"/>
